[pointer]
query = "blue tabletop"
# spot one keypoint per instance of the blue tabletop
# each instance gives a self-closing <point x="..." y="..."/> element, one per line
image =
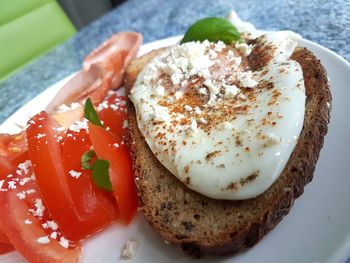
<point x="323" y="21"/>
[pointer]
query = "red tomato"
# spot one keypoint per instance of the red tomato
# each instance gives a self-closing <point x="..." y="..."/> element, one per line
<point x="95" y="207"/>
<point x="12" y="145"/>
<point x="3" y="238"/>
<point x="22" y="217"/>
<point x="46" y="155"/>
<point x="109" y="146"/>
<point x="5" y="248"/>
<point x="113" y="113"/>
<point x="13" y="150"/>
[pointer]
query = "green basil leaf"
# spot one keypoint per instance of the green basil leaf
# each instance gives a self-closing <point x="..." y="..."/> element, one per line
<point x="213" y="29"/>
<point x="86" y="159"/>
<point x="91" y="114"/>
<point x="100" y="174"/>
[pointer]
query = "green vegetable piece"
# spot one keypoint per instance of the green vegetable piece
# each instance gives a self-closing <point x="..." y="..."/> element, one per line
<point x="91" y="114"/>
<point x="100" y="174"/>
<point x="86" y="159"/>
<point x="213" y="29"/>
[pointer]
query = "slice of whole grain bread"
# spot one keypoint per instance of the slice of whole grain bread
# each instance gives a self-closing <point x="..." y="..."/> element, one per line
<point x="199" y="224"/>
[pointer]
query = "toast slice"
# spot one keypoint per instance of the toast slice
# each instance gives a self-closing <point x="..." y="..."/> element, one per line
<point x="198" y="224"/>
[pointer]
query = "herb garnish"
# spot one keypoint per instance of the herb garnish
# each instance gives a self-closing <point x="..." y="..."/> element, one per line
<point x="213" y="29"/>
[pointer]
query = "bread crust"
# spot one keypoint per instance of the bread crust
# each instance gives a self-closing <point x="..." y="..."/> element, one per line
<point x="180" y="215"/>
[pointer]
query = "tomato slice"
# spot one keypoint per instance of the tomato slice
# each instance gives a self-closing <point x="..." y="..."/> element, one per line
<point x="13" y="150"/>
<point x="3" y="238"/>
<point x="5" y="248"/>
<point x="109" y="146"/>
<point x="12" y="145"/>
<point x="46" y="155"/>
<point x="27" y="222"/>
<point x="113" y="113"/>
<point x="96" y="208"/>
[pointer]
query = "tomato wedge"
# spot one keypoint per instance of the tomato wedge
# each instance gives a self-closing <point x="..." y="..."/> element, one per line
<point x="3" y="238"/>
<point x="113" y="113"/>
<point x="27" y="222"/>
<point x="95" y="208"/>
<point x="109" y="146"/>
<point x="5" y="248"/>
<point x="46" y="155"/>
<point x="13" y="150"/>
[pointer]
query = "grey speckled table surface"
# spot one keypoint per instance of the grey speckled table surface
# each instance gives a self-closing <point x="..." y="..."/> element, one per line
<point x="322" y="21"/>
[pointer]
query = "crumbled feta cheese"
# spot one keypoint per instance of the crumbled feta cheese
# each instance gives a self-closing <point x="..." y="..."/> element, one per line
<point x="60" y="129"/>
<point x="53" y="235"/>
<point x="246" y="79"/>
<point x="103" y="105"/>
<point x="25" y="165"/>
<point x="160" y="91"/>
<point x="30" y="191"/>
<point x="178" y="95"/>
<point x="243" y="48"/>
<point x="197" y="110"/>
<point x="202" y="120"/>
<point x="212" y="100"/>
<point x="193" y="129"/>
<point x="27" y="222"/>
<point x="65" y="108"/>
<point x="212" y="54"/>
<point x="11" y="185"/>
<point x="219" y="46"/>
<point x="241" y="96"/>
<point x="52" y="225"/>
<point x="40" y="135"/>
<point x="116" y="145"/>
<point x="188" y="108"/>
<point x="129" y="250"/>
<point x="211" y="86"/>
<point x="24" y="180"/>
<point x="43" y="240"/>
<point x="74" y="174"/>
<point x="39" y="208"/>
<point x="125" y="124"/>
<point x="230" y="90"/>
<point x="64" y="242"/>
<point x="160" y="114"/>
<point x="202" y="91"/>
<point x="79" y="125"/>
<point x="21" y="195"/>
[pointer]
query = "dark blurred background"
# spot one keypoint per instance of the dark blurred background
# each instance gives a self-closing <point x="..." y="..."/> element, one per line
<point x="82" y="12"/>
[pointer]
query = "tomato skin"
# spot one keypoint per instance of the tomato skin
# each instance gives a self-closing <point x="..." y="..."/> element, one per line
<point x="120" y="170"/>
<point x="5" y="248"/>
<point x="13" y="150"/>
<point x="95" y="208"/>
<point x="114" y="115"/>
<point x="24" y="237"/>
<point x="3" y="238"/>
<point x="46" y="155"/>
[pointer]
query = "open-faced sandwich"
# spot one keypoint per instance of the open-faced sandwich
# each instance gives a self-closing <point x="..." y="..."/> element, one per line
<point x="226" y="128"/>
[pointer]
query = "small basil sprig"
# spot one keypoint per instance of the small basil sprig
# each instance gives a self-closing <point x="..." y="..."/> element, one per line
<point x="100" y="168"/>
<point x="91" y="114"/>
<point x="213" y="29"/>
<point x="100" y="174"/>
<point x="86" y="159"/>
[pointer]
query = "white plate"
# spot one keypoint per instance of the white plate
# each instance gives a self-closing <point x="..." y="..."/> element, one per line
<point x="317" y="228"/>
